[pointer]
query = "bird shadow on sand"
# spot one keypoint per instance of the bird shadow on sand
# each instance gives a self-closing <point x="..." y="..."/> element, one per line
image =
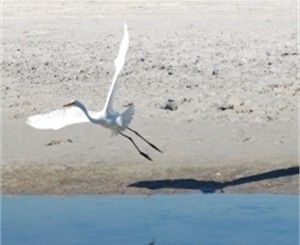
<point x="213" y="186"/>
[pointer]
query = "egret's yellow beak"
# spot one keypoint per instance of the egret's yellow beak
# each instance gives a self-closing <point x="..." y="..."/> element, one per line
<point x="72" y="103"/>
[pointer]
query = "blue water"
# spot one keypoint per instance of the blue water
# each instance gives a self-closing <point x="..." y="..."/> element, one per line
<point x="159" y="219"/>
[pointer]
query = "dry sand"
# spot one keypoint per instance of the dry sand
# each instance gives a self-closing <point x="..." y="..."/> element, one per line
<point x="230" y="67"/>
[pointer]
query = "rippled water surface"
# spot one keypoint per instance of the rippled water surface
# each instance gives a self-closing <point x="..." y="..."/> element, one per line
<point x="159" y="219"/>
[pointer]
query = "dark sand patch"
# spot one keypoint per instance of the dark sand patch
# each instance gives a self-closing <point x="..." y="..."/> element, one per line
<point x="137" y="179"/>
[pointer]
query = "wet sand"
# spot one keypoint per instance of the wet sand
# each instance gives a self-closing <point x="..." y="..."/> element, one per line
<point x="146" y="179"/>
<point x="229" y="66"/>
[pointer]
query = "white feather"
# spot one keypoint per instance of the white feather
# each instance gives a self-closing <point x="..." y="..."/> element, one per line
<point x="59" y="118"/>
<point x="119" y="63"/>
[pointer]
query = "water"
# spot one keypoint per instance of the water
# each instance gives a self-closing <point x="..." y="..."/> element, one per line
<point x="159" y="219"/>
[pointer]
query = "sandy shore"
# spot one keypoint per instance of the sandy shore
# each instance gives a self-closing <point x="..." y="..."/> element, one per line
<point x="229" y="66"/>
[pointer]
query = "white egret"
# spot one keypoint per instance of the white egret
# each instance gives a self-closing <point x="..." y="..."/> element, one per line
<point x="75" y="112"/>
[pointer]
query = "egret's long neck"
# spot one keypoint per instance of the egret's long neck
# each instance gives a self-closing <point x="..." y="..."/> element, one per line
<point x="83" y="108"/>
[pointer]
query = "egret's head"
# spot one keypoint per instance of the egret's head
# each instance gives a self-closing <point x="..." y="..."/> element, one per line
<point x="71" y="103"/>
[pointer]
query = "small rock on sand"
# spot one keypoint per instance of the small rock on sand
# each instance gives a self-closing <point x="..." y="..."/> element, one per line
<point x="171" y="105"/>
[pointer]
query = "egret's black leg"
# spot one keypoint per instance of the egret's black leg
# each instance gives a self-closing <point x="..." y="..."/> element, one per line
<point x="132" y="141"/>
<point x="153" y="146"/>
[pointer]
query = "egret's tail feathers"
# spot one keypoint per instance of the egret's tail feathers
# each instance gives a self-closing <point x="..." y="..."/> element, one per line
<point x="127" y="116"/>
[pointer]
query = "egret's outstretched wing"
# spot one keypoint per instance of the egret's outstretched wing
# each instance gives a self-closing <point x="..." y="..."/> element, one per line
<point x="59" y="118"/>
<point x="119" y="63"/>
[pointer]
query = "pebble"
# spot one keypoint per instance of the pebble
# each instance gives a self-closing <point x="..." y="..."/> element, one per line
<point x="215" y="72"/>
<point x="249" y="139"/>
<point x="170" y="105"/>
<point x="235" y="102"/>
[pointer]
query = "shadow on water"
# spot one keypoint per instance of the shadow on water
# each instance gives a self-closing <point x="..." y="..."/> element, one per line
<point x="213" y="186"/>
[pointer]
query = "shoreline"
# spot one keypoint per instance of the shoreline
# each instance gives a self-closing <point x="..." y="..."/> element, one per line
<point x="45" y="179"/>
